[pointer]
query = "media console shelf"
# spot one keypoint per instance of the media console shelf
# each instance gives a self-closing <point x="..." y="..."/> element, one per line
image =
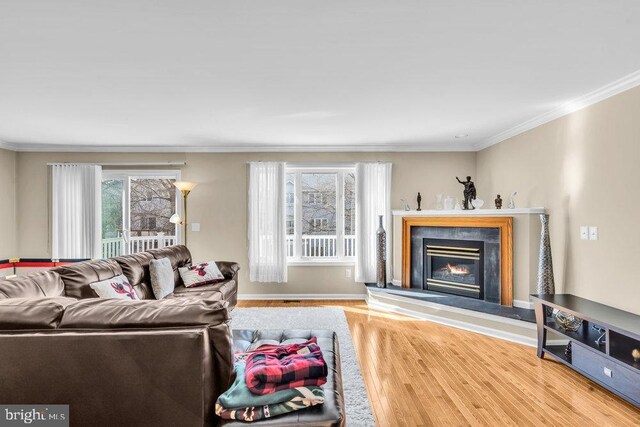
<point x="601" y="349"/>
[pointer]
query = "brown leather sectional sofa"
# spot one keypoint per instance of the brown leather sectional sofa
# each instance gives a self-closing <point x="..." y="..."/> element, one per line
<point x="136" y="363"/>
<point x="117" y="362"/>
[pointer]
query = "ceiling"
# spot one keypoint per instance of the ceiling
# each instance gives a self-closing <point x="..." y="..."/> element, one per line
<point x="293" y="75"/>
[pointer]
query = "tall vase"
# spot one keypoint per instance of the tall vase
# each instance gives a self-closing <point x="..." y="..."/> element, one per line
<point x="546" y="284"/>
<point x="381" y="255"/>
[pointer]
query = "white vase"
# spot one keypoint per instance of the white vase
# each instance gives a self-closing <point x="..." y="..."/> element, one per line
<point x="477" y="203"/>
<point x="439" y="202"/>
<point x="448" y="203"/>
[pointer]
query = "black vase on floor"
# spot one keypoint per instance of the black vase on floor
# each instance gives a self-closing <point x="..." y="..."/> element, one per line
<point x="381" y="255"/>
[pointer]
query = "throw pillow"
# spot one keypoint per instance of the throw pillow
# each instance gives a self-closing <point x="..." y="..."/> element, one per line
<point x="200" y="274"/>
<point x="117" y="287"/>
<point x="161" y="277"/>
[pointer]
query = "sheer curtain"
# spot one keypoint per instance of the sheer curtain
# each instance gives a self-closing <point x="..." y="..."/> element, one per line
<point x="76" y="211"/>
<point x="267" y="241"/>
<point x="373" y="198"/>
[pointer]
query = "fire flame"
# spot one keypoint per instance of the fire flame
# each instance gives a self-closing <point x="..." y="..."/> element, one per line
<point x="458" y="270"/>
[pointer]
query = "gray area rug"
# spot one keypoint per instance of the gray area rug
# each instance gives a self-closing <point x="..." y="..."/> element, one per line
<point x="358" y="411"/>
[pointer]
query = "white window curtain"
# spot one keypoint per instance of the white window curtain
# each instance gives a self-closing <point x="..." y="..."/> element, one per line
<point x="267" y="240"/>
<point x="373" y="198"/>
<point x="76" y="211"/>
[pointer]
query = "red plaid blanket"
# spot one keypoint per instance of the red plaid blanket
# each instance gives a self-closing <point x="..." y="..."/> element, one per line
<point x="273" y="368"/>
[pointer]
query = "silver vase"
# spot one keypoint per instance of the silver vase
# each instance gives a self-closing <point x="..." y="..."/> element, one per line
<point x="381" y="255"/>
<point x="546" y="284"/>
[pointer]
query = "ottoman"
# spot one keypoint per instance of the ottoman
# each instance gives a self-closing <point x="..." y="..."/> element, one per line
<point x="329" y="414"/>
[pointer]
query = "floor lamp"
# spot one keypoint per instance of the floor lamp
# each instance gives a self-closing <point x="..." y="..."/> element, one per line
<point x="185" y="188"/>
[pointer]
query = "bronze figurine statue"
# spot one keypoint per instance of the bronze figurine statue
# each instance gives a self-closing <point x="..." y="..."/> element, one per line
<point x="419" y="200"/>
<point x="498" y="202"/>
<point x="469" y="192"/>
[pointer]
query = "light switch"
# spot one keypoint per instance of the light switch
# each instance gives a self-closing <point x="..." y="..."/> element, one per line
<point x="593" y="232"/>
<point x="608" y="372"/>
<point x="347" y="272"/>
<point x="195" y="226"/>
<point x="584" y="232"/>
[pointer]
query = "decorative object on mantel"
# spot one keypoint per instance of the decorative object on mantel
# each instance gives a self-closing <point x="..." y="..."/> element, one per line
<point x="381" y="240"/>
<point x="567" y="321"/>
<point x="419" y="200"/>
<point x="477" y="203"/>
<point x="438" y="202"/>
<point x="512" y="200"/>
<point x="498" y="202"/>
<point x="406" y="205"/>
<point x="469" y="192"/>
<point x="448" y="203"/>
<point x="457" y="206"/>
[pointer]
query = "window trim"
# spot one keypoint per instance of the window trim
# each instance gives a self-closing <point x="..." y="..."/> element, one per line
<point x="339" y="169"/>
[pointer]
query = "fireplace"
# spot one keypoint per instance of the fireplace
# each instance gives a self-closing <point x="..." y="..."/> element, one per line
<point x="454" y="267"/>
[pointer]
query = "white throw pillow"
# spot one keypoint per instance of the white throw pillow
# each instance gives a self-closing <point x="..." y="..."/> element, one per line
<point x="117" y="287"/>
<point x="200" y="274"/>
<point x="161" y="277"/>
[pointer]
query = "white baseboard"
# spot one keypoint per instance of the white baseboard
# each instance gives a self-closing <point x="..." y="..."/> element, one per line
<point x="288" y="297"/>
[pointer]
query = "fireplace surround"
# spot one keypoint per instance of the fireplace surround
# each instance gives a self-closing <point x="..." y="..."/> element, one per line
<point x="491" y="237"/>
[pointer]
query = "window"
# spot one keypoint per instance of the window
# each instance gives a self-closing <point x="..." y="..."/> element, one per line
<point x="321" y="215"/>
<point x="136" y="207"/>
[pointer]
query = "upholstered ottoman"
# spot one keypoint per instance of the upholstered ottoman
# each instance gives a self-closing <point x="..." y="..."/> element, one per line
<point x="329" y="414"/>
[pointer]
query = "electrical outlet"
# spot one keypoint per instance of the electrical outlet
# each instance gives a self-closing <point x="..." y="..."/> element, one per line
<point x="347" y="273"/>
<point x="195" y="226"/>
<point x="593" y="232"/>
<point x="584" y="232"/>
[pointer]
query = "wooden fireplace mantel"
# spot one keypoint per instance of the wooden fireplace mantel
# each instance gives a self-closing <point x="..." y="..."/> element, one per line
<point x="505" y="224"/>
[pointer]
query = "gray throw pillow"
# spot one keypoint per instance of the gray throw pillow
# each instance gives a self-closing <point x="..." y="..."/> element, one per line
<point x="161" y="277"/>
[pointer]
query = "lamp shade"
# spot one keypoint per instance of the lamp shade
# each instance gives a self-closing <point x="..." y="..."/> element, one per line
<point x="185" y="185"/>
<point x="175" y="219"/>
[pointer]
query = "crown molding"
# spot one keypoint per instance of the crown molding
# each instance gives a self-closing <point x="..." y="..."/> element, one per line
<point x="607" y="91"/>
<point x="6" y="146"/>
<point x="240" y="149"/>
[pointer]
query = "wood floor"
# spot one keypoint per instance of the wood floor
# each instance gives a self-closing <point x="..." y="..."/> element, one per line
<point x="419" y="373"/>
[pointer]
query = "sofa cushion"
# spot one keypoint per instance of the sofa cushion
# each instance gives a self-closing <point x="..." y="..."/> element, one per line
<point x="162" y="281"/>
<point x="78" y="277"/>
<point x="110" y="314"/>
<point x="115" y="288"/>
<point x="200" y="274"/>
<point x="179" y="256"/>
<point x="32" y="313"/>
<point x="136" y="268"/>
<point x="35" y="285"/>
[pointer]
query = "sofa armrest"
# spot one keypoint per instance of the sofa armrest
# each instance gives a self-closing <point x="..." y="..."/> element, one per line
<point x="228" y="268"/>
<point x="97" y="313"/>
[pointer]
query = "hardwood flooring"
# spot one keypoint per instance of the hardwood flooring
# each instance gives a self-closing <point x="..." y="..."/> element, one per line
<point x="419" y="373"/>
